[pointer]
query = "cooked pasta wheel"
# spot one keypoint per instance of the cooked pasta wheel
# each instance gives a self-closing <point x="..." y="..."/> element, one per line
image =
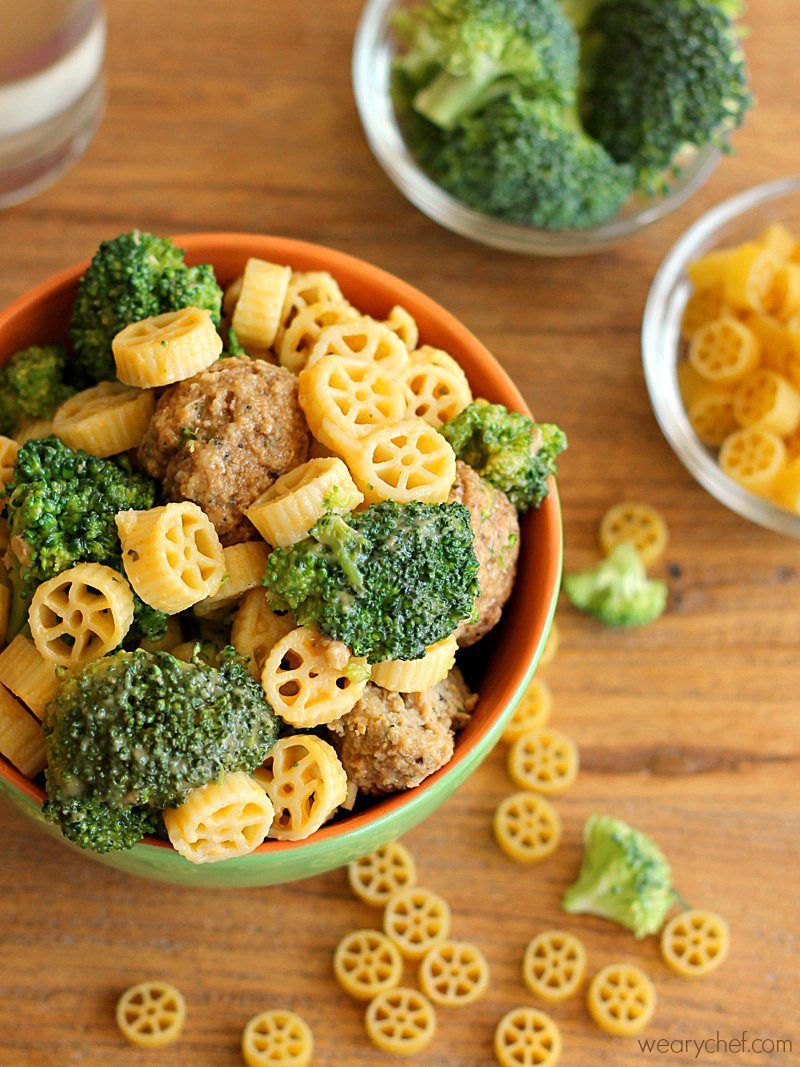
<point x="365" y="340"/>
<point x="786" y="487"/>
<point x="257" y="628"/>
<point x="532" y="712"/>
<point x="454" y="973"/>
<point x="166" y="348"/>
<point x="81" y="614"/>
<point x="777" y="238"/>
<point x="526" y="1037"/>
<point x="767" y="400"/>
<point x="711" y="416"/>
<point x="345" y="399"/>
<point x="621" y="999"/>
<point x="366" y="963"/>
<point x="554" y="965"/>
<point x="416" y="919"/>
<point x="21" y="737"/>
<point x="151" y="1014"/>
<point x="257" y="314"/>
<point x="401" y="1021"/>
<point x="244" y="568"/>
<point x="701" y="307"/>
<point x="753" y="457"/>
<point x="8" y="457"/>
<point x="5" y="608"/>
<point x="695" y="943"/>
<point x="29" y="676"/>
<point x="297" y="500"/>
<point x="417" y="675"/>
<point x="527" y="827"/>
<point x="310" y="680"/>
<point x="404" y="324"/>
<point x="306" y="783"/>
<point x="277" y="1038"/>
<point x="307" y="287"/>
<point x="637" y="524"/>
<point x="724" y="350"/>
<point x="376" y="878"/>
<point x="750" y="273"/>
<point x="427" y="355"/>
<point x="434" y="393"/>
<point x="172" y="555"/>
<point x="545" y="761"/>
<point x="784" y="298"/>
<point x="223" y="819"/>
<point x="551" y="645"/>
<point x="300" y="337"/>
<point x="105" y="420"/>
<point x="231" y="296"/>
<point x="173" y="636"/>
<point x="406" y="462"/>
<point x="709" y="270"/>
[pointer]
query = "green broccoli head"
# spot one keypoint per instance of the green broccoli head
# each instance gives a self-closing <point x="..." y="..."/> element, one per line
<point x="132" y="277"/>
<point x="460" y="54"/>
<point x="99" y="826"/>
<point x="388" y="581"/>
<point x="32" y="385"/>
<point x="507" y="449"/>
<point x="617" y="591"/>
<point x="624" y="877"/>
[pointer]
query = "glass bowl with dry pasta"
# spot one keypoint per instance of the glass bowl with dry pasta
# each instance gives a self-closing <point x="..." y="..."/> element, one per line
<point x="281" y="548"/>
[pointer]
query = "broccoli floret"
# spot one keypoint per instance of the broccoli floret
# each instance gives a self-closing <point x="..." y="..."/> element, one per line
<point x="141" y="730"/>
<point x="617" y="591"/>
<point x="98" y="826"/>
<point x="388" y="581"/>
<point x="130" y="278"/>
<point x="61" y="507"/>
<point x="624" y="877"/>
<point x="507" y="449"/>
<point x="464" y="53"/>
<point x="32" y="385"/>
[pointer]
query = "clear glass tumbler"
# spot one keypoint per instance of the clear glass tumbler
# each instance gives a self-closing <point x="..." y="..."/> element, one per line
<point x="51" y="89"/>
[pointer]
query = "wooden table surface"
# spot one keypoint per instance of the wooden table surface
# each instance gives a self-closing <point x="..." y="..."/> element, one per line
<point x="234" y="115"/>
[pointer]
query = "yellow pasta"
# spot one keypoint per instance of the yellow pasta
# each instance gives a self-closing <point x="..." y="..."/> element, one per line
<point x="297" y="500"/>
<point x="711" y="416"/>
<point x="765" y="399"/>
<point x="172" y="555"/>
<point x="532" y="712"/>
<point x="709" y="270"/>
<point x="701" y="307"/>
<point x="81" y="614"/>
<point x="554" y="965"/>
<point x="151" y="1014"/>
<point x="5" y="607"/>
<point x="401" y="1022"/>
<point x="257" y="628"/>
<point x="29" y="676"/>
<point x="376" y="878"/>
<point x="777" y="239"/>
<point x="21" y="737"/>
<point x="454" y="974"/>
<point x="784" y="297"/>
<point x="417" y="675"/>
<point x="750" y="273"/>
<point x="406" y="462"/>
<point x="434" y="393"/>
<point x="428" y="356"/>
<point x="277" y="1038"/>
<point x="786" y="487"/>
<point x="416" y="919"/>
<point x="173" y="636"/>
<point x="754" y="458"/>
<point x="365" y="340"/>
<point x="724" y="350"/>
<point x="257" y="314"/>
<point x="544" y="761"/>
<point x="306" y="783"/>
<point x="404" y="324"/>
<point x="307" y="287"/>
<point x="526" y="1037"/>
<point x="527" y="827"/>
<point x="166" y="348"/>
<point x="244" y="566"/>
<point x="231" y="296"/>
<point x="695" y="943"/>
<point x="777" y="351"/>
<point x="300" y="337"/>
<point x="105" y="420"/>
<point x="367" y="962"/>
<point x="33" y="430"/>
<point x="310" y="680"/>
<point x="226" y="818"/>
<point x="639" y="525"/>
<point x="8" y="457"/>
<point x="621" y="1000"/>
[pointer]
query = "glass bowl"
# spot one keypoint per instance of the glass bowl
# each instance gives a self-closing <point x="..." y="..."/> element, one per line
<point x="738" y="219"/>
<point x="373" y="52"/>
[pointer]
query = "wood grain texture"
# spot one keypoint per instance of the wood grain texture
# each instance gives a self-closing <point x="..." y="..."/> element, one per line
<point x="237" y="115"/>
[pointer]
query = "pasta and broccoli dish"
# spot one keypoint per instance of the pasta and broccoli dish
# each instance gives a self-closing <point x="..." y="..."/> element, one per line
<point x="245" y="535"/>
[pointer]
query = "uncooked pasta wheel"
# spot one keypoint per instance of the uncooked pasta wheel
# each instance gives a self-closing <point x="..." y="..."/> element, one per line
<point x="527" y="827"/>
<point x="416" y="919"/>
<point x="544" y="761"/>
<point x="711" y="416"/>
<point x="767" y="400"/>
<point x="367" y="962"/>
<point x="753" y="457"/>
<point x="454" y="973"/>
<point x="636" y="524"/>
<point x="151" y="1014"/>
<point x="376" y="878"/>
<point x="554" y="965"/>
<point x="277" y="1039"/>
<point x="724" y="350"/>
<point x="621" y="999"/>
<point x="526" y="1037"/>
<point x="532" y="712"/>
<point x="401" y="1021"/>
<point x="695" y="943"/>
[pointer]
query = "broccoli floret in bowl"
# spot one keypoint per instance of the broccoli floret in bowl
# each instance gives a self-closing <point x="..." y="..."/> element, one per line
<point x="32" y="385"/>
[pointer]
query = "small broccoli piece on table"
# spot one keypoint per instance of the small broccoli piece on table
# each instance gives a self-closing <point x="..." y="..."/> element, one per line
<point x="132" y="277"/>
<point x="388" y="581"/>
<point x="32" y="385"/>
<point x="98" y="826"/>
<point x="624" y="877"/>
<point x="509" y="450"/>
<point x="617" y="591"/>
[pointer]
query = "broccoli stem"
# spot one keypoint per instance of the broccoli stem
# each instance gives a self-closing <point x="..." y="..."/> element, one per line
<point x="450" y="98"/>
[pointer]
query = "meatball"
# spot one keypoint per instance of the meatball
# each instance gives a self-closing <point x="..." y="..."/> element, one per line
<point x="496" y="528"/>
<point x="222" y="437"/>
<point x="393" y="741"/>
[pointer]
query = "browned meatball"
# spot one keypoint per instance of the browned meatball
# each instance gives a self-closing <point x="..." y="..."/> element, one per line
<point x="393" y="741"/>
<point x="496" y="528"/>
<point x="222" y="437"/>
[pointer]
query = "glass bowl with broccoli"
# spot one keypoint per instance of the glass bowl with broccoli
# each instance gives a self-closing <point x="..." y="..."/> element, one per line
<point x="549" y="127"/>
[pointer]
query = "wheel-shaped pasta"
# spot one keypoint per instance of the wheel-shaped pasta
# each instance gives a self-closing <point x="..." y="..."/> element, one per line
<point x="403" y="323"/>
<point x="786" y="487"/>
<point x="532" y="712"/>
<point x="554" y="965"/>
<point x="8" y="457"/>
<point x="695" y="943"/>
<point x="21" y="737"/>
<point x="711" y="416"/>
<point x="226" y="818"/>
<point x="298" y="499"/>
<point x="417" y="675"/>
<point x="257" y="313"/>
<point x="765" y="399"/>
<point x="29" y="676"/>
<point x="709" y="270"/>
<point x="108" y="419"/>
<point x="305" y="288"/>
<point x="551" y="645"/>
<point x="754" y="458"/>
<point x="401" y="1022"/>
<point x="151" y="1014"/>
<point x="406" y="462"/>
<point x="750" y="273"/>
<point x="244" y="568"/>
<point x="544" y="761"/>
<point x="367" y="962"/>
<point x="300" y="337"/>
<point x="172" y="555"/>
<point x="277" y="1039"/>
<point x="454" y="973"/>
<point x="5" y="610"/>
<point x="637" y="524"/>
<point x="345" y="399"/>
<point x="306" y="783"/>
<point x="527" y="827"/>
<point x="376" y="878"/>
<point x="526" y="1037"/>
<point x="621" y="999"/>
<point x="701" y="307"/>
<point x="427" y="355"/>
<point x="724" y="350"/>
<point x="365" y="340"/>
<point x="777" y="350"/>
<point x="778" y="239"/>
<point x="166" y="348"/>
<point x="231" y="296"/>
<point x="434" y="393"/>
<point x="310" y="680"/>
<point x="416" y="919"/>
<point x="784" y="297"/>
<point x="81" y="614"/>
<point x="257" y="628"/>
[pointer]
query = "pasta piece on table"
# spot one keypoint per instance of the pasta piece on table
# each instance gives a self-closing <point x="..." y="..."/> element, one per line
<point x="367" y="962"/>
<point x="29" y="676"/>
<point x="401" y="1021"/>
<point x="527" y="827"/>
<point x="695" y="943"/>
<point x="724" y="350"/>
<point x="621" y="999"/>
<point x="226" y="818"/>
<point x="151" y="1014"/>
<point x="300" y="337"/>
<point x="454" y="973"/>
<point x="369" y="341"/>
<point x="554" y="965"/>
<point x="306" y="783"/>
<point x="257" y="313"/>
<point x="108" y="419"/>
<point x="21" y="737"/>
<point x="416" y="919"/>
<point x="417" y="675"/>
<point x="277" y="1038"/>
<point x="754" y="458"/>
<point x="765" y="399"/>
<point x="257" y="628"/>
<point x="637" y="524"/>
<point x="434" y="393"/>
<point x="244" y="568"/>
<point x="376" y="878"/>
<point x="406" y="462"/>
<point x="526" y="1037"/>
<point x="166" y="348"/>
<point x="544" y="761"/>
<point x="532" y="712"/>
